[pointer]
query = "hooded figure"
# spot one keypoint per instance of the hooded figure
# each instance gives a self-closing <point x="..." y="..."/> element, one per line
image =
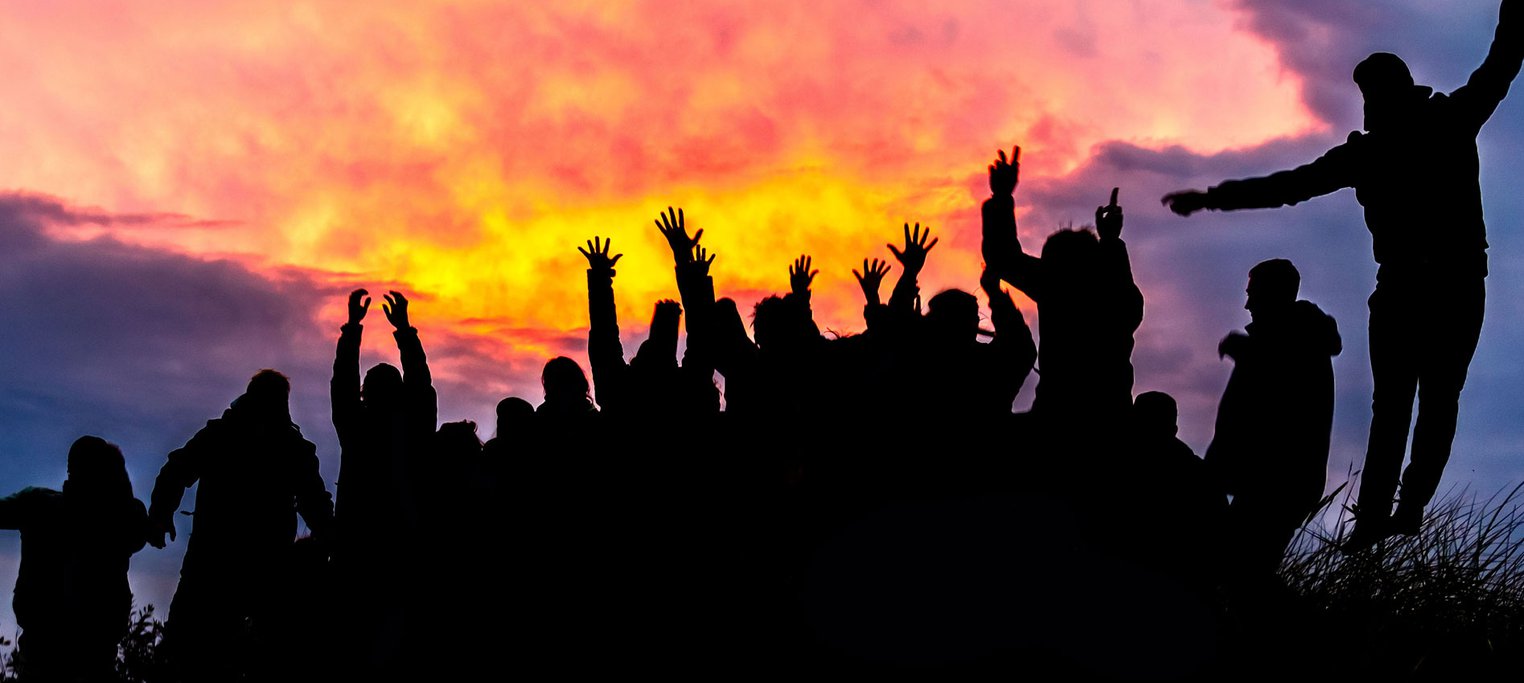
<point x="72" y="600"/>
<point x="256" y="473"/>
<point x="1270" y="448"/>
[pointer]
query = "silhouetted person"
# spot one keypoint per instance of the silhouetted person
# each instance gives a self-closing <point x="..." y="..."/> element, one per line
<point x="384" y="426"/>
<point x="515" y="440"/>
<point x="1415" y="172"/>
<point x="256" y="473"/>
<point x="1087" y="304"/>
<point x="451" y="621"/>
<point x="568" y="396"/>
<point x="1270" y="448"/>
<point x="1178" y="508"/>
<point x="698" y="394"/>
<point x="961" y="376"/>
<point x="72" y="601"/>
<point x="777" y="375"/>
<point x="515" y="422"/>
<point x="651" y="383"/>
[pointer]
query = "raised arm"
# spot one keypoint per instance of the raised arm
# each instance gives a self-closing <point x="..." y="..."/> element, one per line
<point x="604" y="351"/>
<point x="417" y="381"/>
<point x="16" y="508"/>
<point x="870" y="278"/>
<point x="800" y="277"/>
<point x="1117" y="265"/>
<point x="691" y="265"/>
<point x="344" y="388"/>
<point x="1000" y="247"/>
<point x="912" y="260"/>
<point x="1329" y="173"/>
<point x="1488" y="85"/>
<point x="673" y="226"/>
<point x="696" y="288"/>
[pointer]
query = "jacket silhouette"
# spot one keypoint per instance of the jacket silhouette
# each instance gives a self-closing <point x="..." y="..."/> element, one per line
<point x="1276" y="414"/>
<point x="255" y="473"/>
<point x="72" y="600"/>
<point x="1270" y="448"/>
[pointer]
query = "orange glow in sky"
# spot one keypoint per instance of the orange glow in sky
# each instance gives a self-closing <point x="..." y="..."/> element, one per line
<point x="463" y="150"/>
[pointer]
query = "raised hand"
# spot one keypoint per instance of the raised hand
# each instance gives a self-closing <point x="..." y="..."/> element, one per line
<point x="800" y="276"/>
<point x="672" y="227"/>
<point x="395" y="309"/>
<point x="358" y="308"/>
<point x="700" y="263"/>
<point x="1108" y="219"/>
<point x="871" y="277"/>
<point x="1005" y="174"/>
<point x="913" y="258"/>
<point x="1185" y="202"/>
<point x="597" y="255"/>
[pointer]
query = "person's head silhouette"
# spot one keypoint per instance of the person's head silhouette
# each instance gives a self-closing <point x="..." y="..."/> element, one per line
<point x="1388" y="88"/>
<point x="953" y="316"/>
<point x="1272" y="288"/>
<point x="1069" y="256"/>
<point x="1155" y="415"/>
<point x="769" y="322"/>
<point x="268" y="397"/>
<point x="97" y="470"/>
<point x="514" y="414"/>
<point x="564" y="381"/>
<point x="458" y="437"/>
<point x="382" y="386"/>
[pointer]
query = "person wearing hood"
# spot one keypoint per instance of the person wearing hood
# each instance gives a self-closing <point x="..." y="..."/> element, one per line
<point x="256" y="474"/>
<point x="72" y="599"/>
<point x="1270" y="448"/>
<point x="1415" y="171"/>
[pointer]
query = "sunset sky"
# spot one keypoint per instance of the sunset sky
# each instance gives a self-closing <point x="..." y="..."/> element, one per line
<point x="188" y="189"/>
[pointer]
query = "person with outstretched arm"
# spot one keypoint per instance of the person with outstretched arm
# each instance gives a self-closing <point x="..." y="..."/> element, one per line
<point x="72" y="599"/>
<point x="1415" y="171"/>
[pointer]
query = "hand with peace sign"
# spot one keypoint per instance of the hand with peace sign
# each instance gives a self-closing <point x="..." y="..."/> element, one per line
<point x="1005" y="174"/>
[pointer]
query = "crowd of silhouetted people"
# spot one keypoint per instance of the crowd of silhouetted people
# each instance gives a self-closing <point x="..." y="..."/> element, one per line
<point x="774" y="499"/>
<point x="769" y="495"/>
